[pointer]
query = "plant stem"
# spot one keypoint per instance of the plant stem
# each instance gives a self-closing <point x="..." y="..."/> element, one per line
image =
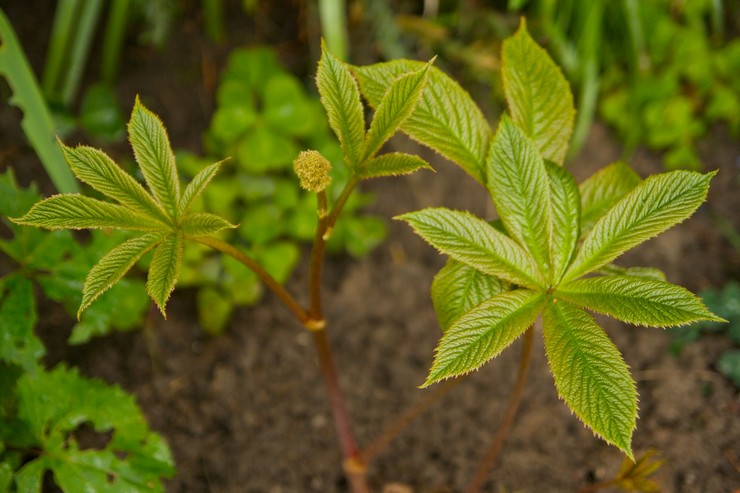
<point x="369" y="453"/>
<point x="290" y="302"/>
<point x="508" y="419"/>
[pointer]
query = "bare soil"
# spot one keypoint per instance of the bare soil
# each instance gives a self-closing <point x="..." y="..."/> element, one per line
<point x="246" y="411"/>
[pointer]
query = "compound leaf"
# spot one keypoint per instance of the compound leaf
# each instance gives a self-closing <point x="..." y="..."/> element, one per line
<point x="397" y="104"/>
<point x="565" y="218"/>
<point x="73" y="211"/>
<point x="165" y="269"/>
<point x="483" y="332"/>
<point x="203" y="224"/>
<point x="590" y="374"/>
<point x="658" y="203"/>
<point x="391" y="164"/>
<point x="457" y="288"/>
<point x="341" y="98"/>
<point x="114" y="265"/>
<point x="476" y="243"/>
<point x="445" y="119"/>
<point x="603" y="189"/>
<point x="152" y="151"/>
<point x="518" y="184"/>
<point x="196" y="186"/>
<point x="637" y="300"/>
<point x="538" y="94"/>
<point x="95" y="168"/>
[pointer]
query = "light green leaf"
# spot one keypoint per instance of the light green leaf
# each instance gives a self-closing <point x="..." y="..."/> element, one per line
<point x="391" y="164"/>
<point x="95" y="168"/>
<point x="341" y="98"/>
<point x="642" y="272"/>
<point x="446" y="119"/>
<point x="658" y="203"/>
<point x="483" y="332"/>
<point x="114" y="265"/>
<point x="457" y="288"/>
<point x="538" y="95"/>
<point x="518" y="184"/>
<point x="203" y="224"/>
<point x="474" y="242"/>
<point x="72" y="211"/>
<point x="197" y="185"/>
<point x="155" y="157"/>
<point x="565" y="218"/>
<point x="397" y="104"/>
<point x="637" y="300"/>
<point x="164" y="270"/>
<point x="604" y="189"/>
<point x="590" y="374"/>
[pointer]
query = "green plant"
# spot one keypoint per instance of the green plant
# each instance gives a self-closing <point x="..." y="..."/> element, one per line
<point x="263" y="118"/>
<point x="501" y="276"/>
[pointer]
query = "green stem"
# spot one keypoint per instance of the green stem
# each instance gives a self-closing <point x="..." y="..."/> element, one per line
<point x="290" y="302"/>
<point x="508" y="419"/>
<point x="334" y="26"/>
<point x="113" y="41"/>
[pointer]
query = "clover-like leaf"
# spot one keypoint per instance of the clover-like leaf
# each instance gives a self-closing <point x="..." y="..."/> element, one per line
<point x="538" y="94"/>
<point x="341" y="99"/>
<point x="590" y="374"/>
<point x="637" y="300"/>
<point x="658" y="203"/>
<point x="160" y="213"/>
<point x="445" y="119"/>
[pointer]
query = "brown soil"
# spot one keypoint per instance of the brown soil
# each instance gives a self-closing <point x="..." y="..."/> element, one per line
<point x="246" y="411"/>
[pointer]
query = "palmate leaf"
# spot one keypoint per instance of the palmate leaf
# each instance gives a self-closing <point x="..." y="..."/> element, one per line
<point x="391" y="164"/>
<point x="538" y="94"/>
<point x="397" y="104"/>
<point x="476" y="243"/>
<point x="164" y="270"/>
<point x="483" y="332"/>
<point x="72" y="211"/>
<point x="516" y="181"/>
<point x="445" y="119"/>
<point x="602" y="190"/>
<point x="341" y="99"/>
<point x="565" y="219"/>
<point x="590" y="374"/>
<point x="636" y="300"/>
<point x="658" y="203"/>
<point x="457" y="288"/>
<point x="196" y="186"/>
<point x="154" y="155"/>
<point x="203" y="224"/>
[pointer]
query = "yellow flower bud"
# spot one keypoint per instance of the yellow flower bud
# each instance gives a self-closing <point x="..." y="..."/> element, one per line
<point x="313" y="170"/>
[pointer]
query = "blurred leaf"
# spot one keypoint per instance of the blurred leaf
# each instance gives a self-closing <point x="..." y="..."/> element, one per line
<point x="101" y="115"/>
<point x="729" y="365"/>
<point x="214" y="310"/>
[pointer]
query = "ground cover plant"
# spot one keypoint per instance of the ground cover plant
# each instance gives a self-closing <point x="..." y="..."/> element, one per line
<point x="506" y="262"/>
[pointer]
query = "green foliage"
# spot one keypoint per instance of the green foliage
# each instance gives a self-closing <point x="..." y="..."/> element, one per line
<point x="542" y="211"/>
<point x="163" y="216"/>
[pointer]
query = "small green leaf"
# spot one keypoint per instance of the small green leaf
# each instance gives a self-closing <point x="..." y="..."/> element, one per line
<point x="164" y="270"/>
<point x="446" y="119"/>
<point x="658" y="203"/>
<point x="397" y="104"/>
<point x="565" y="218"/>
<point x="604" y="189"/>
<point x="196" y="186"/>
<point x="203" y="224"/>
<point x="483" y="332"/>
<point x="637" y="300"/>
<point x="95" y="168"/>
<point x="18" y="343"/>
<point x="642" y="272"/>
<point x="114" y="265"/>
<point x="155" y="157"/>
<point x="457" y="288"/>
<point x="391" y="164"/>
<point x="341" y="98"/>
<point x="72" y="211"/>
<point x="590" y="374"/>
<point x="518" y="184"/>
<point x="474" y="242"/>
<point x="538" y="94"/>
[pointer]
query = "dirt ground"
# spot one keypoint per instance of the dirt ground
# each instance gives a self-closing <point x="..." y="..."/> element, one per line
<point x="246" y="411"/>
